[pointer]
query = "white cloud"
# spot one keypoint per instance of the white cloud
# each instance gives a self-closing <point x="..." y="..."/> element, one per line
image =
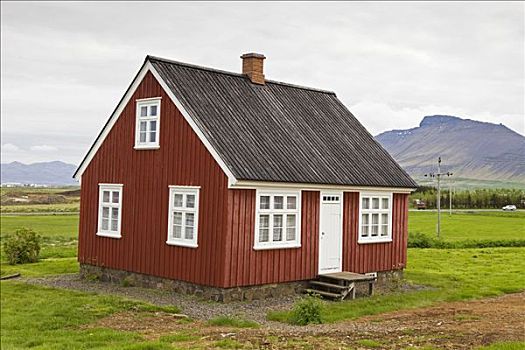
<point x="9" y="147"/>
<point x="43" y="148"/>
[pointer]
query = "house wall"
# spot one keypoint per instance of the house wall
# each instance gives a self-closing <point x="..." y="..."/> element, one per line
<point x="181" y="160"/>
<point x="246" y="266"/>
<point x="372" y="257"/>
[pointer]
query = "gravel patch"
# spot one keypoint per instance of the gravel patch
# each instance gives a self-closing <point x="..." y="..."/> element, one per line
<point x="192" y="306"/>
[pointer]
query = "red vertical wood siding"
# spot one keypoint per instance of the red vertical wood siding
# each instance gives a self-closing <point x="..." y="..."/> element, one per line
<point x="373" y="257"/>
<point x="181" y="160"/>
<point x="246" y="266"/>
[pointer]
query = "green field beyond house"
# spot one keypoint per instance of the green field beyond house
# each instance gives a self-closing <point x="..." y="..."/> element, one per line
<point x="470" y="225"/>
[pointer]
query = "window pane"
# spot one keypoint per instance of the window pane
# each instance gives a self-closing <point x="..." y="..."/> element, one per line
<point x="190" y="220"/>
<point x="114" y="224"/>
<point x="384" y="219"/>
<point x="190" y="201"/>
<point x="105" y="224"/>
<point x="105" y="212"/>
<point x="153" y="110"/>
<point x="177" y="231"/>
<point x="364" y="219"/>
<point x="278" y="202"/>
<point x="364" y="230"/>
<point x="366" y="203"/>
<point x="177" y="200"/>
<point x="177" y="218"/>
<point x="188" y="233"/>
<point x="375" y="203"/>
<point x="153" y="125"/>
<point x="264" y="221"/>
<point x="375" y="219"/>
<point x="115" y="198"/>
<point x="291" y="202"/>
<point x="290" y="220"/>
<point x="264" y="235"/>
<point x="374" y="230"/>
<point x="143" y="111"/>
<point x="264" y="202"/>
<point x="143" y="126"/>
<point x="384" y="230"/>
<point x="142" y="137"/>
<point x="153" y="136"/>
<point x="384" y="203"/>
<point x="105" y="196"/>
<point x="290" y="234"/>
<point x="277" y="227"/>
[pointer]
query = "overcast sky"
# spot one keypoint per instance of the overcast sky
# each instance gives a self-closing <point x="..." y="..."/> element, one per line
<point x="66" y="65"/>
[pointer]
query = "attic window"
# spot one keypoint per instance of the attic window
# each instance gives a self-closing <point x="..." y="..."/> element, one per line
<point x="147" y="123"/>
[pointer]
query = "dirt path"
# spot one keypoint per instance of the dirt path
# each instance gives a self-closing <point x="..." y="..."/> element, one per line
<point x="454" y="325"/>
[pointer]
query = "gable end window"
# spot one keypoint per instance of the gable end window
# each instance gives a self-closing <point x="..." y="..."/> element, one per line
<point x="375" y="217"/>
<point x="278" y="219"/>
<point x="109" y="210"/>
<point x="147" y="124"/>
<point x="183" y="216"/>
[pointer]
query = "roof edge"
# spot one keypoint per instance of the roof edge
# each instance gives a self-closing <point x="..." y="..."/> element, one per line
<point x="220" y="71"/>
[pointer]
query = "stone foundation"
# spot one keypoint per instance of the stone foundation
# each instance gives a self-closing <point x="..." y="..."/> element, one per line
<point x="386" y="281"/>
<point x="247" y="293"/>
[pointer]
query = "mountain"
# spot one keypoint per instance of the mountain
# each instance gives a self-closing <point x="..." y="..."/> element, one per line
<point x="45" y="173"/>
<point x="468" y="148"/>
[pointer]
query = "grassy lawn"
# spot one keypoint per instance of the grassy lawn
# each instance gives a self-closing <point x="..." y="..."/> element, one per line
<point x="451" y="274"/>
<point x="461" y="226"/>
<point x="51" y="227"/>
<point x="41" y="208"/>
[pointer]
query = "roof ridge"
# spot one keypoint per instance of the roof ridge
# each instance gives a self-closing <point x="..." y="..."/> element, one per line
<point x="220" y="71"/>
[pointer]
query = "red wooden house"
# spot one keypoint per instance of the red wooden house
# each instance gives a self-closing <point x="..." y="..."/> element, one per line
<point x="226" y="184"/>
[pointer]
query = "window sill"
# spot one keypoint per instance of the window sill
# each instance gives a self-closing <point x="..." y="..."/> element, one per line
<point x="109" y="235"/>
<point x="382" y="240"/>
<point x="280" y="246"/>
<point x="146" y="147"/>
<point x="182" y="244"/>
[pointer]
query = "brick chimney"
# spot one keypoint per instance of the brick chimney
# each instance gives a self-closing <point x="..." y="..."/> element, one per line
<point x="252" y="66"/>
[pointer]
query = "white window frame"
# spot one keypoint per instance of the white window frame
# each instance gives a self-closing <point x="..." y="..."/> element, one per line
<point x="296" y="243"/>
<point x="378" y="238"/>
<point x="184" y="190"/>
<point x="112" y="188"/>
<point x="147" y="102"/>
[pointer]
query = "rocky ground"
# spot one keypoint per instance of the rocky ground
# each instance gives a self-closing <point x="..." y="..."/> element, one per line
<point x="455" y="325"/>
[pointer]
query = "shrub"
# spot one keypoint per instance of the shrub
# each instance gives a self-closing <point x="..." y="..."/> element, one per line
<point x="306" y="311"/>
<point x="22" y="247"/>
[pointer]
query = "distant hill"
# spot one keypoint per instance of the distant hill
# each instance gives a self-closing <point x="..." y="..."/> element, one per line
<point x="45" y="173"/>
<point x="469" y="148"/>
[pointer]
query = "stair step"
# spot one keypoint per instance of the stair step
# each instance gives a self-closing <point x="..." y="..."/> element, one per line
<point x="324" y="294"/>
<point x="328" y="285"/>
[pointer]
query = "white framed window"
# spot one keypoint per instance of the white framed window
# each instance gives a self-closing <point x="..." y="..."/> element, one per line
<point x="147" y="123"/>
<point x="183" y="216"/>
<point x="375" y="217"/>
<point x="109" y="210"/>
<point x="277" y="219"/>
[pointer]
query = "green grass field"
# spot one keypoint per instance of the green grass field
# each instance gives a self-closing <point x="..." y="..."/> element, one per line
<point x="41" y="208"/>
<point x="44" y="318"/>
<point x="461" y="226"/>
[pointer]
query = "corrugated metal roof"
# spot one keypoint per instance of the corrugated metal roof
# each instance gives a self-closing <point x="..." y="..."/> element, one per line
<point x="280" y="132"/>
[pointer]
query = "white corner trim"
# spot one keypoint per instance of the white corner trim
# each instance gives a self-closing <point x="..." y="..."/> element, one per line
<point x="148" y="67"/>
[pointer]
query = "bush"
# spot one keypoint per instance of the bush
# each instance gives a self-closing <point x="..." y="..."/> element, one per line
<point x="306" y="311"/>
<point x="22" y="247"/>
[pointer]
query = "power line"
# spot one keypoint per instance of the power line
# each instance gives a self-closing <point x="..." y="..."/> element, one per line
<point x="438" y="175"/>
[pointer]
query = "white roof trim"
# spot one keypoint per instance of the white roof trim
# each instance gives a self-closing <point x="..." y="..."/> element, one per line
<point x="148" y="67"/>
<point x="243" y="184"/>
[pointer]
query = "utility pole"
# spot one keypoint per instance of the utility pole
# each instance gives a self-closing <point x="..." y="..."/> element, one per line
<point x="450" y="199"/>
<point x="438" y="202"/>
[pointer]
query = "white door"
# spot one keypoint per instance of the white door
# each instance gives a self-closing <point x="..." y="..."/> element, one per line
<point x="331" y="234"/>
